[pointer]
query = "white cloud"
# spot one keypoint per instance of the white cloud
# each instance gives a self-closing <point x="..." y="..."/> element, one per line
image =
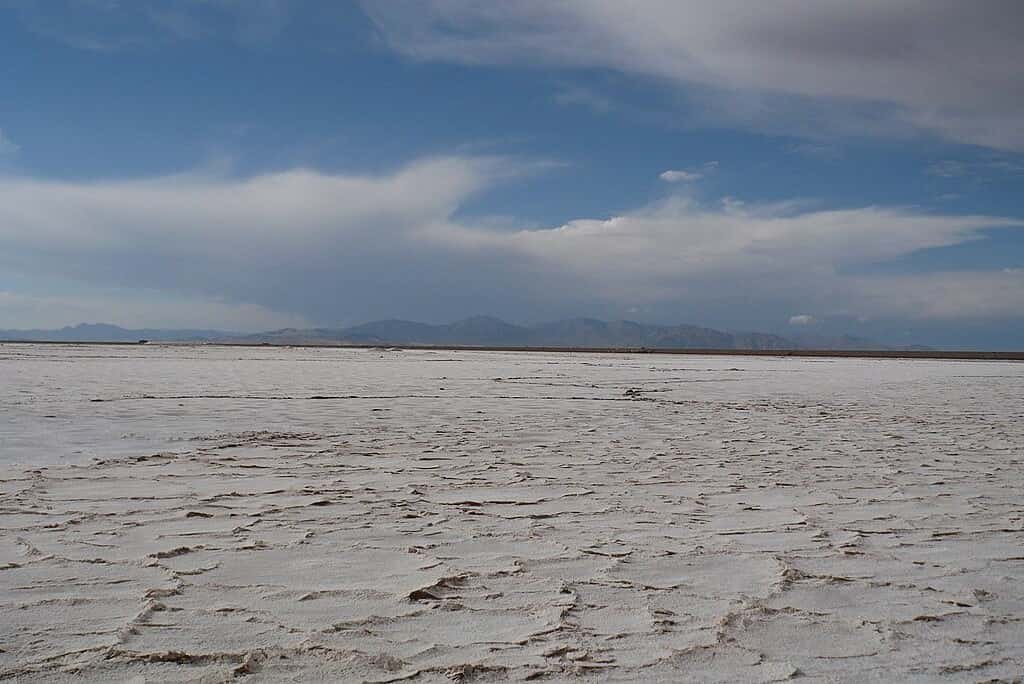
<point x="781" y="255"/>
<point x="801" y="319"/>
<point x="680" y="237"/>
<point x="946" y="67"/>
<point x="350" y="247"/>
<point x="325" y="246"/>
<point x="677" y="176"/>
<point x="203" y="216"/>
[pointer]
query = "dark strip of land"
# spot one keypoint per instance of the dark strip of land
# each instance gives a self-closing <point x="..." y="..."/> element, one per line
<point x="813" y="353"/>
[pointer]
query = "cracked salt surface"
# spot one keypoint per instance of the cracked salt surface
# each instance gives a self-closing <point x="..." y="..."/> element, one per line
<point x="205" y="513"/>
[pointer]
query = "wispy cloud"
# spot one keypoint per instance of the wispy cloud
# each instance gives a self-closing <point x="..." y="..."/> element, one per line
<point x="946" y="168"/>
<point x="7" y="146"/>
<point x="116" y="26"/>
<point x="975" y="168"/>
<point x="689" y="175"/>
<point x="678" y="176"/>
<point x="850" y="65"/>
<point x="585" y="97"/>
<point x="818" y="150"/>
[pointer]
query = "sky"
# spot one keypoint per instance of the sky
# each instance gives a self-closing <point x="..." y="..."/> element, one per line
<point x="795" y="166"/>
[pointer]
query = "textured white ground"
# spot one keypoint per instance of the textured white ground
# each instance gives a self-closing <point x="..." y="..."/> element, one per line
<point x="183" y="514"/>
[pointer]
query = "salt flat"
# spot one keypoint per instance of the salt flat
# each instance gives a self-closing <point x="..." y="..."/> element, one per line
<point x="205" y="513"/>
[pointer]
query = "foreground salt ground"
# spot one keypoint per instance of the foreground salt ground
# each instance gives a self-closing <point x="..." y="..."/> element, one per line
<point x="382" y="516"/>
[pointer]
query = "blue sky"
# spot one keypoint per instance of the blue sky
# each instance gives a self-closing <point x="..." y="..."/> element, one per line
<point x="791" y="167"/>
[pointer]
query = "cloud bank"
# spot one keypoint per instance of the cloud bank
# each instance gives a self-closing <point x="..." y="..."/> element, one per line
<point x="945" y="67"/>
<point x="342" y="248"/>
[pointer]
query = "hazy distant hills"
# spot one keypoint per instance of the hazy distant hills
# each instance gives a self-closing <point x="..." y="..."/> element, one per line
<point x="104" y="332"/>
<point x="482" y="331"/>
<point x="486" y="331"/>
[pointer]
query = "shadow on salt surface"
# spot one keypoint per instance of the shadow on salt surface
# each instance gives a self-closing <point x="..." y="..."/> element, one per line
<point x="718" y="576"/>
<point x="320" y="569"/>
<point x="461" y="495"/>
<point x="496" y="556"/>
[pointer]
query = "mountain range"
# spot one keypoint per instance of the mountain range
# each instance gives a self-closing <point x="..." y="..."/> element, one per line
<point x="477" y="331"/>
<point x="105" y="332"/>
